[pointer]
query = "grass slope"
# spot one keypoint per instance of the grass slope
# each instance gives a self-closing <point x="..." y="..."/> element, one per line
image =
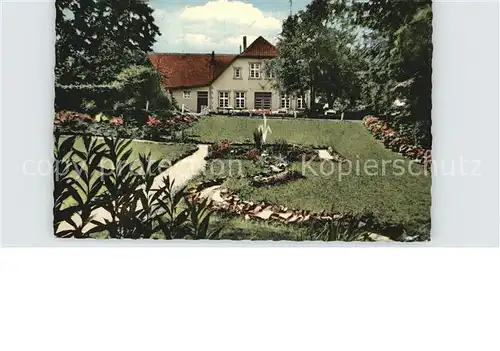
<point x="240" y="130"/>
<point x="390" y="196"/>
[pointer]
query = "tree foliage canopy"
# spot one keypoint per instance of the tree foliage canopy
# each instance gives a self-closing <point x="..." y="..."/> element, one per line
<point x="96" y="39"/>
<point x="373" y="52"/>
<point x="318" y="54"/>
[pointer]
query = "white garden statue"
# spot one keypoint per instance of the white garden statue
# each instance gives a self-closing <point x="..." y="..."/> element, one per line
<point x="265" y="129"/>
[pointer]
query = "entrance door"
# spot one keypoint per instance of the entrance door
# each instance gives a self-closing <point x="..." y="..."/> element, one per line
<point x="202" y="101"/>
<point x="263" y="101"/>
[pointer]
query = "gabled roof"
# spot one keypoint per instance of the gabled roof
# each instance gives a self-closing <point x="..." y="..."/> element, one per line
<point x="260" y="48"/>
<point x="195" y="70"/>
<point x="189" y="70"/>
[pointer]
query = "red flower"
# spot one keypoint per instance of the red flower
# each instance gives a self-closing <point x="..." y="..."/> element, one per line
<point x="153" y="122"/>
<point x="253" y="155"/>
<point x="66" y="117"/>
<point x="222" y="146"/>
<point x="117" y="121"/>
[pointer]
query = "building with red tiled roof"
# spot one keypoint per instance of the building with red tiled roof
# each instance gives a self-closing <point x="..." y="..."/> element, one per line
<point x="223" y="82"/>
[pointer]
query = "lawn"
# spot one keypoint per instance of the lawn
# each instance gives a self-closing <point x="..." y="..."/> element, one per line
<point x="168" y="153"/>
<point x="391" y="195"/>
<point x="240" y="129"/>
<point x="159" y="151"/>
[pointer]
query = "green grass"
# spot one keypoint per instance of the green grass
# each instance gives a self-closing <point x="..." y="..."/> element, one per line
<point x="240" y="130"/>
<point x="168" y="153"/>
<point x="159" y="151"/>
<point x="403" y="199"/>
<point x="236" y="228"/>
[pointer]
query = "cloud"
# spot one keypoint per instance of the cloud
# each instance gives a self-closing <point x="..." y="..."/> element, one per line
<point x="239" y="40"/>
<point x="216" y="25"/>
<point x="236" y="12"/>
<point x="197" y="39"/>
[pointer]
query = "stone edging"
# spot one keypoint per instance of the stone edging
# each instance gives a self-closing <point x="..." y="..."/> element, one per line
<point x="223" y="201"/>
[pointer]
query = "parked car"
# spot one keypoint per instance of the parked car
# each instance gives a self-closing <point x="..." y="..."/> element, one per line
<point x="281" y="111"/>
<point x="330" y="112"/>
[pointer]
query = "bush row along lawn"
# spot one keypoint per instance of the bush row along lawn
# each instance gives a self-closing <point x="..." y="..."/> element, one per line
<point x="403" y="199"/>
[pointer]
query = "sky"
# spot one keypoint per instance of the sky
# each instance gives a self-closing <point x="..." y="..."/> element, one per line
<point x="203" y="26"/>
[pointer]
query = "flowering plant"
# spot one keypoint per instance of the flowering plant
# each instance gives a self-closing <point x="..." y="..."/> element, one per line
<point x="153" y="122"/>
<point x="222" y="146"/>
<point x="68" y="117"/>
<point x="403" y="145"/>
<point x="117" y="121"/>
<point x="253" y="155"/>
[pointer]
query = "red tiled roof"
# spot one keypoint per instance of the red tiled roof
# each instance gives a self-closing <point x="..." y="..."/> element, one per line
<point x="189" y="70"/>
<point x="192" y="70"/>
<point x="260" y="48"/>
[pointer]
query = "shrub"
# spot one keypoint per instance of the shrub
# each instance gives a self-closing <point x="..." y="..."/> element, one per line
<point x="101" y="117"/>
<point x="153" y="122"/>
<point x="253" y="155"/>
<point x="68" y="117"/>
<point x="257" y="139"/>
<point x="137" y="209"/>
<point x="399" y="142"/>
<point x="219" y="149"/>
<point x="116" y="121"/>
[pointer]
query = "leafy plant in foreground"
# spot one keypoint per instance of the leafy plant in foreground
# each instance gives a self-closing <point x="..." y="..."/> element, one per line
<point x="120" y="199"/>
<point x="350" y="227"/>
<point x="63" y="185"/>
<point x="132" y="204"/>
<point x="200" y="214"/>
<point x="88" y="182"/>
<point x="173" y="217"/>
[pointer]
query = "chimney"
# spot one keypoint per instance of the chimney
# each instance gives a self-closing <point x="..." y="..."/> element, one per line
<point x="244" y="43"/>
<point x="240" y="49"/>
<point x="212" y="64"/>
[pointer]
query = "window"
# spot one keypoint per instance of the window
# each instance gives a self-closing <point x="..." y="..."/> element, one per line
<point x="187" y="95"/>
<point x="237" y="73"/>
<point x="255" y="70"/>
<point x="240" y="99"/>
<point x="272" y="75"/>
<point x="301" y="102"/>
<point x="223" y="99"/>
<point x="285" y="101"/>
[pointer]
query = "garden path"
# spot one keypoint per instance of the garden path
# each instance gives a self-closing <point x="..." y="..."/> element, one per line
<point x="184" y="170"/>
<point x="325" y="155"/>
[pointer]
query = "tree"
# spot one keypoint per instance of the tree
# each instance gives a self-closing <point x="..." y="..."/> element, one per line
<point x="139" y="86"/>
<point x="318" y="54"/>
<point x="397" y="51"/>
<point x="96" y="39"/>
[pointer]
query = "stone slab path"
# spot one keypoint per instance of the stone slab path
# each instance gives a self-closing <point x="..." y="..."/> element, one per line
<point x="221" y="198"/>
<point x="325" y="155"/>
<point x="181" y="172"/>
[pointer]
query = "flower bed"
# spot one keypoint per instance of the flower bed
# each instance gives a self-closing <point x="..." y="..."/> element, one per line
<point x="259" y="113"/>
<point x="226" y="203"/>
<point x="264" y="179"/>
<point x="227" y="150"/>
<point x="388" y="136"/>
<point x="154" y="128"/>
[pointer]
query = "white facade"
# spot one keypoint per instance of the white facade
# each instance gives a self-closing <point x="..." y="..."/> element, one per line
<point x="242" y="86"/>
